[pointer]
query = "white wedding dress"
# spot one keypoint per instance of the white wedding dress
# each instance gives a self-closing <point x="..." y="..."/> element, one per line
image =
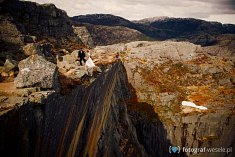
<point x="89" y="62"/>
<point x="89" y="65"/>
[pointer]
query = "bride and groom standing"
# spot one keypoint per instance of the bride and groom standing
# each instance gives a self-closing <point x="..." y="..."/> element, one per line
<point x="89" y="64"/>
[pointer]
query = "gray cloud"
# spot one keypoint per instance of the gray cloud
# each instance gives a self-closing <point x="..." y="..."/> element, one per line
<point x="138" y="9"/>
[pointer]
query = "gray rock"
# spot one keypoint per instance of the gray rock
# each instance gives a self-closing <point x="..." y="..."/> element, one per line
<point x="10" y="36"/>
<point x="225" y="81"/>
<point x="36" y="71"/>
<point x="9" y="65"/>
<point x="80" y="72"/>
<point x="39" y="20"/>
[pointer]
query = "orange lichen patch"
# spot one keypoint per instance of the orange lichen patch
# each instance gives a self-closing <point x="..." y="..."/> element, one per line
<point x="206" y="94"/>
<point x="199" y="60"/>
<point x="104" y="58"/>
<point x="226" y="91"/>
<point x="200" y="98"/>
<point x="134" y="59"/>
<point x="206" y="60"/>
<point x="142" y="62"/>
<point x="7" y="86"/>
<point x="168" y="80"/>
<point x="208" y="138"/>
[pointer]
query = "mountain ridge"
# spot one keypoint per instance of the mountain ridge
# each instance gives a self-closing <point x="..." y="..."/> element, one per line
<point x="167" y="28"/>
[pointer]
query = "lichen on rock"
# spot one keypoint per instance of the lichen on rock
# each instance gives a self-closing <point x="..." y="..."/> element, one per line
<point x="36" y="71"/>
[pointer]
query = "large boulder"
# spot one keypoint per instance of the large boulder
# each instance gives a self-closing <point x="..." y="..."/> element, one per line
<point x="36" y="71"/>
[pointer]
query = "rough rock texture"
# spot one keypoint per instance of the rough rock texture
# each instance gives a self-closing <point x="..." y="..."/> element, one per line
<point x="44" y="50"/>
<point x="26" y="22"/>
<point x="39" y="20"/>
<point x="71" y="73"/>
<point x="154" y="51"/>
<point x="36" y="71"/>
<point x="84" y="123"/>
<point x="11" y="97"/>
<point x="32" y="49"/>
<point x="224" y="47"/>
<point x="84" y="35"/>
<point x="10" y="37"/>
<point x="8" y="66"/>
<point x="164" y="74"/>
<point x="8" y="70"/>
<point x="142" y="117"/>
<point x="106" y="35"/>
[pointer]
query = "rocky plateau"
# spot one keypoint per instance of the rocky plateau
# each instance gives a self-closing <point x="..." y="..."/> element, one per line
<point x="130" y="103"/>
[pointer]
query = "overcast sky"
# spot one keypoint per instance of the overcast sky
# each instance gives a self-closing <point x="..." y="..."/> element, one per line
<point x="211" y="10"/>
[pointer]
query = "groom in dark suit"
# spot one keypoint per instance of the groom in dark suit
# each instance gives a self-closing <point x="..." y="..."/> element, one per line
<point x="81" y="55"/>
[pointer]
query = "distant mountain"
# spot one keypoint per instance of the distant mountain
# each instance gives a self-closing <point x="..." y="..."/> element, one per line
<point x="193" y="30"/>
<point x="106" y="29"/>
<point x="103" y="19"/>
<point x="111" y="20"/>
<point x="190" y="26"/>
<point x="150" y="20"/>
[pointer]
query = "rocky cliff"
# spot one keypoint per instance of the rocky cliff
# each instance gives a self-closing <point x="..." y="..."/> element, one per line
<point x="108" y="35"/>
<point x="164" y="74"/>
<point x="39" y="20"/>
<point x="84" y="123"/>
<point x="130" y="104"/>
<point x="137" y="110"/>
<point x="24" y="22"/>
<point x="27" y="28"/>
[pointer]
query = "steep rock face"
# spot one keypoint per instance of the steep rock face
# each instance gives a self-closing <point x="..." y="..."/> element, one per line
<point x="166" y="73"/>
<point x="83" y="123"/>
<point x="85" y="36"/>
<point x="106" y="35"/>
<point x="39" y="20"/>
<point x="10" y="36"/>
<point x="27" y="28"/>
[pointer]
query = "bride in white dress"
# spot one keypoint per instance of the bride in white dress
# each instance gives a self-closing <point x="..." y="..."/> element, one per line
<point x="89" y="65"/>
